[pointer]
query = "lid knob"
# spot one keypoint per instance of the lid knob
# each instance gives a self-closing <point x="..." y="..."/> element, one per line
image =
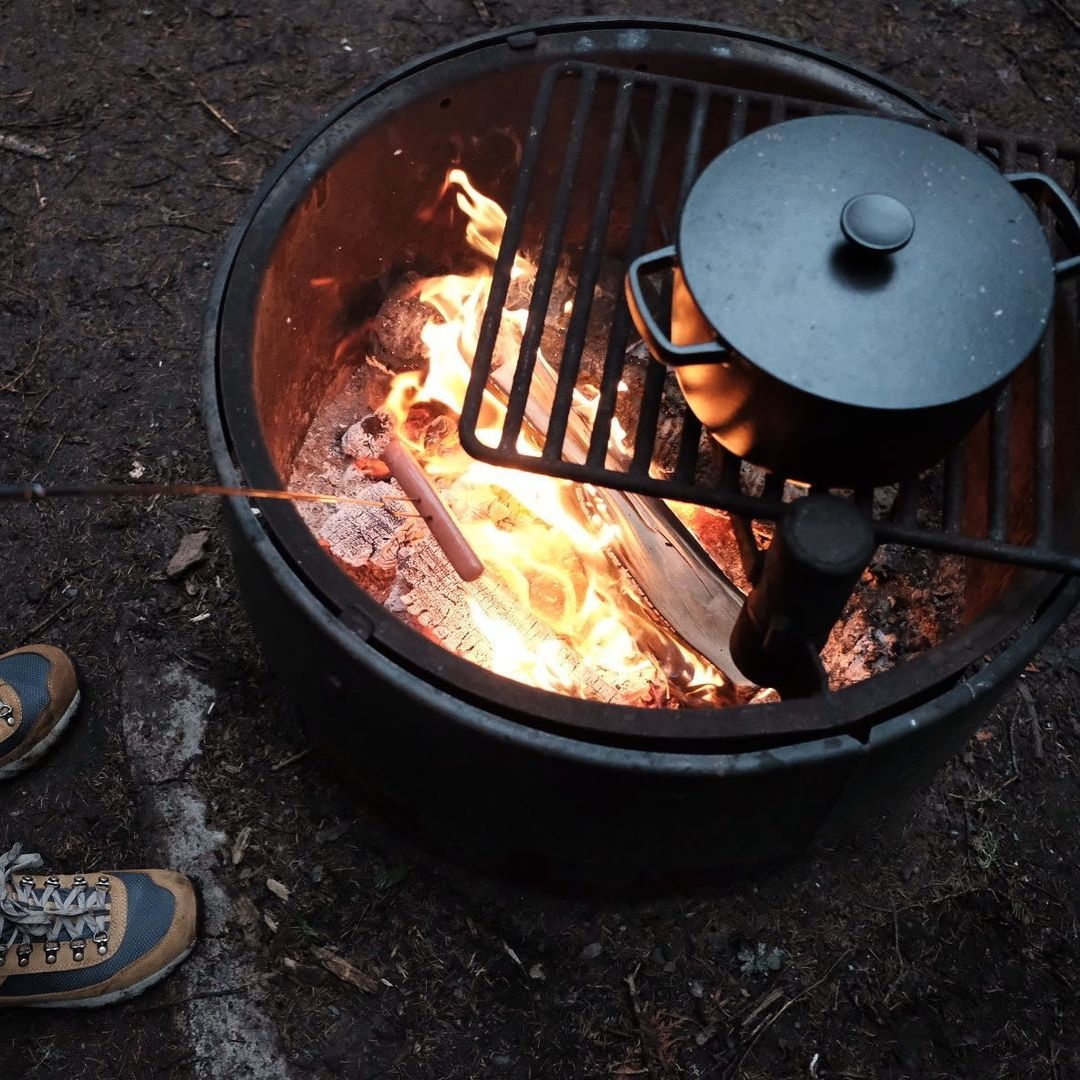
<point x="876" y="222"/>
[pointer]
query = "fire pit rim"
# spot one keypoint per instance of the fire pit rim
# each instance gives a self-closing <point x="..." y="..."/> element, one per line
<point x="987" y="680"/>
<point x="317" y="577"/>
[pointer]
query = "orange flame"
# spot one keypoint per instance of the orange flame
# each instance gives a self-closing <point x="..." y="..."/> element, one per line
<point x="546" y="556"/>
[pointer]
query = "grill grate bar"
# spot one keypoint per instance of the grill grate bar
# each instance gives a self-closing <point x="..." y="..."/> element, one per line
<point x="592" y="258"/>
<point x="500" y="282"/>
<point x="649" y="415"/>
<point x="1044" y="411"/>
<point x="954" y="490"/>
<point x="1001" y="415"/>
<point x="621" y="323"/>
<point x="774" y="488"/>
<point x="864" y="500"/>
<point x="1000" y="429"/>
<point x="979" y="547"/>
<point x="657" y="375"/>
<point x="653" y="391"/>
<point x="738" y="119"/>
<point x="749" y="554"/>
<point x="978" y="501"/>
<point x="689" y="449"/>
<point x="690" y="436"/>
<point x="906" y="508"/>
<point x="692" y="163"/>
<point x="546" y="268"/>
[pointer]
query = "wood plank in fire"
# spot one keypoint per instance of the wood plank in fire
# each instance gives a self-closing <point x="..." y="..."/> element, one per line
<point x="431" y="597"/>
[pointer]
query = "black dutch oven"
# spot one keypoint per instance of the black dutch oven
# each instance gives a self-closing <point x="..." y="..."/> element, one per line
<point x="848" y="293"/>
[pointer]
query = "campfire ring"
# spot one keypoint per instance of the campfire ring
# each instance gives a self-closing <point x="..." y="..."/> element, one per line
<point x="499" y="773"/>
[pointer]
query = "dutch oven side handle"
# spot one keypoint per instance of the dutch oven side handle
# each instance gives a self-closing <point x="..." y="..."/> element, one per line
<point x="660" y="345"/>
<point x="1036" y="183"/>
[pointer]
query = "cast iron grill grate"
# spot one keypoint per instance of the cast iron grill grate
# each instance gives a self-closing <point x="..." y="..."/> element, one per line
<point x="1003" y="494"/>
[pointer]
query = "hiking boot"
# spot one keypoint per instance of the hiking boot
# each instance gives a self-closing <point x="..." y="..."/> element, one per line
<point x="79" y="941"/>
<point x="38" y="697"/>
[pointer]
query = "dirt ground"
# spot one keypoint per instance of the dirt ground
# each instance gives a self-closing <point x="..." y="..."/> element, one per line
<point x="942" y="942"/>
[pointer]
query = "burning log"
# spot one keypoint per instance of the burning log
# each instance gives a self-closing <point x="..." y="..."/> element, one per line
<point x="412" y="479"/>
<point x="672" y="570"/>
<point x="398" y="561"/>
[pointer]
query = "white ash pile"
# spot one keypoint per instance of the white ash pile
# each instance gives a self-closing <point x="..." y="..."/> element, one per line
<point x="392" y="553"/>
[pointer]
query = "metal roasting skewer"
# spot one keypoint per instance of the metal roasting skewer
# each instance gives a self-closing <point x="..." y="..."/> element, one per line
<point x="404" y="467"/>
<point x="38" y="492"/>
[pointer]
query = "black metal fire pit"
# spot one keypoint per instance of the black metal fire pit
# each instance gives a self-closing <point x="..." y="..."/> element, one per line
<point x="500" y="773"/>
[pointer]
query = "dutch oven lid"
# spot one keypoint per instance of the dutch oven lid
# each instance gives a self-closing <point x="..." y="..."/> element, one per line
<point x="867" y="261"/>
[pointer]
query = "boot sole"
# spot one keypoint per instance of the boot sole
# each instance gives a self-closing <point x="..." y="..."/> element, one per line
<point x="36" y="753"/>
<point x="116" y="996"/>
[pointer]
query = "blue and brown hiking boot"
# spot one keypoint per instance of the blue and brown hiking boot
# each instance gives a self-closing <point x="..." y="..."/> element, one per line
<point x="38" y="697"/>
<point x="83" y="940"/>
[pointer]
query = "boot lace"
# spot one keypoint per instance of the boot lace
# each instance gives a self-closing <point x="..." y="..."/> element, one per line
<point x="49" y="914"/>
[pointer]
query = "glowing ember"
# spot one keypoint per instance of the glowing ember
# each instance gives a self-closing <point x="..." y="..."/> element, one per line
<point x="549" y="556"/>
